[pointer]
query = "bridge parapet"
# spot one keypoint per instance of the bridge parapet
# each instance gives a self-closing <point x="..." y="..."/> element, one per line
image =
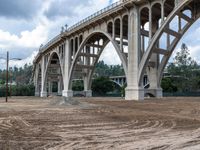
<point x="98" y="13"/>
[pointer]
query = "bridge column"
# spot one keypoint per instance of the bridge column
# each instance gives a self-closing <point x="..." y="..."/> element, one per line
<point x="50" y="87"/>
<point x="87" y="90"/>
<point x="134" y="91"/>
<point x="37" y="92"/>
<point x="60" y="86"/>
<point x="67" y="92"/>
<point x="36" y="82"/>
<point x="43" y="82"/>
<point x="152" y="70"/>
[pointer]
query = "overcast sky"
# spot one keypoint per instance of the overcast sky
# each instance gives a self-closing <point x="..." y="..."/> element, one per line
<point x="26" y="24"/>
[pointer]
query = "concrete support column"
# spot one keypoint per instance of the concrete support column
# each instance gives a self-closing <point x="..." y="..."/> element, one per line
<point x="150" y="25"/>
<point x="49" y="88"/>
<point x="60" y="86"/>
<point x="43" y="92"/>
<point x="142" y="42"/>
<point x="134" y="91"/>
<point x="74" y="48"/>
<point x="67" y="92"/>
<point x="152" y="71"/>
<point x="37" y="92"/>
<point x="162" y="13"/>
<point x="87" y="90"/>
<point x="121" y="35"/>
<point x="113" y="36"/>
<point x="36" y="81"/>
<point x="154" y="88"/>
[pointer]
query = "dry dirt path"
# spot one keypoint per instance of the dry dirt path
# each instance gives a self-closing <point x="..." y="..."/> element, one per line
<point x="28" y="123"/>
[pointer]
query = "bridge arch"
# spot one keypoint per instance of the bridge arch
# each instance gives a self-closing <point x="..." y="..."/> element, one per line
<point x="154" y="48"/>
<point x="92" y="39"/>
<point x="54" y="59"/>
<point x="127" y="25"/>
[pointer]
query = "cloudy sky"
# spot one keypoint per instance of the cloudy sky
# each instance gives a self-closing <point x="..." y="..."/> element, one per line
<point x="26" y="24"/>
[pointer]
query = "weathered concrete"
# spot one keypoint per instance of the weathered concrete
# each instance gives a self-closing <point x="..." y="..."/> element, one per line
<point x="74" y="53"/>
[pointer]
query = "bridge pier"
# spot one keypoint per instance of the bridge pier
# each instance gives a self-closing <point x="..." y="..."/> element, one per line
<point x="69" y="93"/>
<point x="158" y="92"/>
<point x="43" y="94"/>
<point x="133" y="90"/>
<point x="37" y="93"/>
<point x="88" y="93"/>
<point x="134" y="94"/>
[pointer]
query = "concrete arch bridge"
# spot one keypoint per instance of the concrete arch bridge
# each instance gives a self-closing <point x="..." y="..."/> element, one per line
<point x="144" y="34"/>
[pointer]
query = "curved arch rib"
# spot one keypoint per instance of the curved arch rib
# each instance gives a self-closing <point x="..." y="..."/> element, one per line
<point x="47" y="67"/>
<point x="145" y="59"/>
<point x="74" y="63"/>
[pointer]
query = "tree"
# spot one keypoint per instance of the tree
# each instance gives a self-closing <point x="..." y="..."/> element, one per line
<point x="77" y="85"/>
<point x="182" y="58"/>
<point x="102" y="85"/>
<point x="168" y="86"/>
<point x="183" y="71"/>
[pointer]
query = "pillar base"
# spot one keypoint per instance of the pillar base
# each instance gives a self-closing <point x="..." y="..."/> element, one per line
<point x="158" y="93"/>
<point x="88" y="93"/>
<point x="69" y="93"/>
<point x="134" y="94"/>
<point x="59" y="93"/>
<point x="43" y="94"/>
<point x="37" y="94"/>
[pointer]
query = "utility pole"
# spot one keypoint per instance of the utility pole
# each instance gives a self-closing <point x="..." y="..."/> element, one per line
<point x="10" y="81"/>
<point x="7" y="64"/>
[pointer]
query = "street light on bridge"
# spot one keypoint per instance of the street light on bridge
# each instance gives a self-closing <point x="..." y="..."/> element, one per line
<point x="7" y="71"/>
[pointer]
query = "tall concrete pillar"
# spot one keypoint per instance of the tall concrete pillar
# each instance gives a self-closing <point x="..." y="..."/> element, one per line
<point x="67" y="92"/>
<point x="49" y="88"/>
<point x="87" y="90"/>
<point x="43" y="81"/>
<point x="60" y="86"/>
<point x="152" y="71"/>
<point x="134" y="90"/>
<point x="36" y="81"/>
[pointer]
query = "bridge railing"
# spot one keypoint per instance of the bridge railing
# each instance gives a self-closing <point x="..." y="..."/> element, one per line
<point x="49" y="43"/>
<point x="96" y="14"/>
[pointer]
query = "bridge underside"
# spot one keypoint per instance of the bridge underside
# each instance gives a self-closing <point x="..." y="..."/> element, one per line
<point x="144" y="34"/>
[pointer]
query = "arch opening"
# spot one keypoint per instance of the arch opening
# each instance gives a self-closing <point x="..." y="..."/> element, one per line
<point x="168" y="7"/>
<point x="145" y="33"/>
<point x="87" y="57"/>
<point x="110" y="28"/>
<point x="53" y="76"/>
<point x="117" y="30"/>
<point x="125" y="35"/>
<point x="171" y="37"/>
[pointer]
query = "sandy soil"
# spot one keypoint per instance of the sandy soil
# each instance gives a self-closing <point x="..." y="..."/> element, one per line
<point x="28" y="123"/>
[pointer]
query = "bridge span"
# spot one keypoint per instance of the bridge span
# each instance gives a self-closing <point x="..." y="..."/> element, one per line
<point x="149" y="29"/>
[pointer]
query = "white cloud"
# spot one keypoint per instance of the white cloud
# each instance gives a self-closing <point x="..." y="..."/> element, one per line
<point x="25" y="41"/>
<point x="110" y="56"/>
<point x="22" y="62"/>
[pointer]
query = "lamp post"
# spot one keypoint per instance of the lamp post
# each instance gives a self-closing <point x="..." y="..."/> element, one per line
<point x="7" y="72"/>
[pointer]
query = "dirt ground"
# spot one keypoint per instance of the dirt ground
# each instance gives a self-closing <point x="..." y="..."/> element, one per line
<point x="28" y="123"/>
